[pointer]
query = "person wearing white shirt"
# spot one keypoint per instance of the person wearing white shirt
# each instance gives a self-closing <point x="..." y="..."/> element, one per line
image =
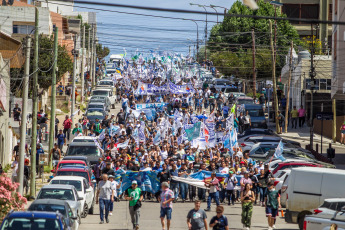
<point x="114" y="186"/>
<point x="14" y="167"/>
<point x="164" y="153"/>
<point x="224" y="169"/>
<point x="229" y="184"/>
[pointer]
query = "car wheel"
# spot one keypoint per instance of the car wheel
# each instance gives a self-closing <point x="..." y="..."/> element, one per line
<point x="85" y="211"/>
<point x="92" y="207"/>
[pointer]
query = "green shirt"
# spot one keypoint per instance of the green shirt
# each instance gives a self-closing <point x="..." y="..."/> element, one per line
<point x="97" y="127"/>
<point x="272" y="199"/>
<point x="135" y="194"/>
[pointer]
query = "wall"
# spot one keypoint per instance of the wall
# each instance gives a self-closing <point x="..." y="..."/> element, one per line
<point x="25" y="14"/>
<point x="328" y="127"/>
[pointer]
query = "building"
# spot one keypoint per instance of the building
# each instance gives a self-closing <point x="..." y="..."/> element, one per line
<point x="310" y="9"/>
<point x="338" y="54"/>
<point x="11" y="56"/>
<point x="20" y="19"/>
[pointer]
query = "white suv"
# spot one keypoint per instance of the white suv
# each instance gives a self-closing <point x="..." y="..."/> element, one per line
<point x="83" y="188"/>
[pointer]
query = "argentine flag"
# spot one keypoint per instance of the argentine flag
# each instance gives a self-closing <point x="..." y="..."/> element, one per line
<point x="279" y="151"/>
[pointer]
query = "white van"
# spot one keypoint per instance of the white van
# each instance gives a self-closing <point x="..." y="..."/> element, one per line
<point x="102" y="91"/>
<point x="307" y="189"/>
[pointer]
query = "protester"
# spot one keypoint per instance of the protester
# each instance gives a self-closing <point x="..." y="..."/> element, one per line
<point x="301" y="116"/>
<point x="219" y="222"/>
<point x="229" y="184"/>
<point x="134" y="196"/>
<point x="166" y="199"/>
<point x="55" y="154"/>
<point x="294" y="117"/>
<point x="105" y="195"/>
<point x="272" y="203"/>
<point x="197" y="218"/>
<point x="213" y="186"/>
<point x="67" y="127"/>
<point x="247" y="199"/>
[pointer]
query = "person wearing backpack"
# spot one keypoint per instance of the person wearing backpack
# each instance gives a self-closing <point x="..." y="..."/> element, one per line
<point x="134" y="196"/>
<point x="56" y="154"/>
<point x="229" y="184"/>
<point x="67" y="124"/>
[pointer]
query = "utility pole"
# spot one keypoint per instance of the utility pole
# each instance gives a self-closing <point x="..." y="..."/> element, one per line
<point x="288" y="90"/>
<point x="24" y="113"/>
<point x="73" y="79"/>
<point x="34" y="111"/>
<point x="82" y="67"/>
<point x="275" y="99"/>
<point x="92" y="59"/>
<point x="94" y="55"/>
<point x="254" y="64"/>
<point x="88" y="53"/>
<point x="53" y="97"/>
<point x="312" y="75"/>
<point x="334" y="130"/>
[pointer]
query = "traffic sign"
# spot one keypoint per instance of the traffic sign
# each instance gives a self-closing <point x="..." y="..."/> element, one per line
<point x="324" y="116"/>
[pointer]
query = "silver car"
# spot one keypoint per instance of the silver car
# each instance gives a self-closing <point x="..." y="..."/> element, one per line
<point x="63" y="192"/>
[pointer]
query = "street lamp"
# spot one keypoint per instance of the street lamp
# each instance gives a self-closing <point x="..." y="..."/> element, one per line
<point x="225" y="9"/>
<point x="193" y="4"/>
<point x="197" y="38"/>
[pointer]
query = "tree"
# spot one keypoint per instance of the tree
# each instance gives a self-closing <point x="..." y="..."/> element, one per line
<point x="236" y="31"/>
<point x="101" y="51"/>
<point x="45" y="63"/>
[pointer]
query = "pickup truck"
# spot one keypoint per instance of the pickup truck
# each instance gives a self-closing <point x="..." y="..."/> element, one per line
<point x="326" y="222"/>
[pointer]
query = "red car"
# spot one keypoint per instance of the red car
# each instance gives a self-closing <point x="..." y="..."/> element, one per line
<point x="70" y="163"/>
<point x="290" y="165"/>
<point x="77" y="171"/>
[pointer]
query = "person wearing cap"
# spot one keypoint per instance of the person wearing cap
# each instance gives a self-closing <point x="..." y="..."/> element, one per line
<point x="229" y="184"/>
<point x="105" y="195"/>
<point x="166" y="198"/>
<point x="134" y="196"/>
<point x="108" y="169"/>
<point x="114" y="186"/>
<point x="96" y="127"/>
<point x="213" y="184"/>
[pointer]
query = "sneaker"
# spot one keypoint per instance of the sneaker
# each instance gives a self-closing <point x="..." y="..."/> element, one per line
<point x="102" y="222"/>
<point x="274" y="226"/>
<point x="207" y="209"/>
<point x="107" y="220"/>
<point x="137" y="227"/>
<point x="269" y="228"/>
<point x="110" y="213"/>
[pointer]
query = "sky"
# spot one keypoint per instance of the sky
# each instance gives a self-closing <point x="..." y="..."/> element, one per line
<point x="134" y="32"/>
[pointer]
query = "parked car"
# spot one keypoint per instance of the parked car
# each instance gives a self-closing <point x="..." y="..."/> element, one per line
<point x="257" y="115"/>
<point x="85" y="139"/>
<point x="101" y="99"/>
<point x="70" y="163"/>
<point x="54" y="205"/>
<point x="332" y="222"/>
<point x="63" y="192"/>
<point x="308" y="188"/>
<point x="108" y="92"/>
<point x="255" y="132"/>
<point x="77" y="171"/>
<point x="94" y="114"/>
<point x="259" y="151"/>
<point x="330" y="207"/>
<point x="98" y="105"/>
<point x="248" y="142"/>
<point x="78" y="158"/>
<point x="291" y="165"/>
<point x="83" y="188"/>
<point x="280" y="178"/>
<point x="105" y="83"/>
<point x="88" y="149"/>
<point x="283" y="191"/>
<point x="34" y="220"/>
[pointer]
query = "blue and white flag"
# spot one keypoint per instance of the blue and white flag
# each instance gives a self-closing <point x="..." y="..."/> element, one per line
<point x="279" y="151"/>
<point x="157" y="138"/>
<point x="101" y="135"/>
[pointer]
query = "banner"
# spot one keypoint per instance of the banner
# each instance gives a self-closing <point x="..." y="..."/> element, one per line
<point x="181" y="89"/>
<point x="147" y="181"/>
<point x="150" y="106"/>
<point x="193" y="132"/>
<point x="150" y="89"/>
<point x="279" y="152"/>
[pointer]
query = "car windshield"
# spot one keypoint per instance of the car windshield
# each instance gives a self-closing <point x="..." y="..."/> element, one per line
<point x="94" y="113"/>
<point x="48" y="208"/>
<point x="75" y="183"/>
<point x="83" y="140"/>
<point x="231" y="90"/>
<point x="110" y="71"/>
<point x="31" y="223"/>
<point x="100" y="92"/>
<point x="245" y="101"/>
<point x="100" y="106"/>
<point x="82" y="150"/>
<point x="60" y="194"/>
<point x="256" y="113"/>
<point x="106" y="83"/>
<point x="73" y="173"/>
<point x="71" y="164"/>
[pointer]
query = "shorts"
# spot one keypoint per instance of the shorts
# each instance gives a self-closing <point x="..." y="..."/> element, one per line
<point x="271" y="212"/>
<point x="342" y="131"/>
<point x="166" y="212"/>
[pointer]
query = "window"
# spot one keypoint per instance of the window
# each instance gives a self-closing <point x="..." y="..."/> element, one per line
<point x="305" y="11"/>
<point x="23" y="29"/>
<point x="323" y="84"/>
<point x="319" y="84"/>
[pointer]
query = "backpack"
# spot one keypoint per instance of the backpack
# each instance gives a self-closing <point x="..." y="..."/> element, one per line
<point x="67" y="124"/>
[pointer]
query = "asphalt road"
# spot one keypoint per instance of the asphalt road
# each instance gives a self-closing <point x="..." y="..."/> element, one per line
<point x="149" y="220"/>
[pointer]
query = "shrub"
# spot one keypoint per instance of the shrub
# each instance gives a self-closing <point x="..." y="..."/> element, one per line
<point x="9" y="198"/>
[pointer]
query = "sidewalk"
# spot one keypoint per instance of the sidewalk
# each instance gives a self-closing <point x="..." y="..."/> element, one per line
<point x="302" y="135"/>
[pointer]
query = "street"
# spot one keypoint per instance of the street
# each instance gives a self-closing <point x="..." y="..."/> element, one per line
<point x="149" y="217"/>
